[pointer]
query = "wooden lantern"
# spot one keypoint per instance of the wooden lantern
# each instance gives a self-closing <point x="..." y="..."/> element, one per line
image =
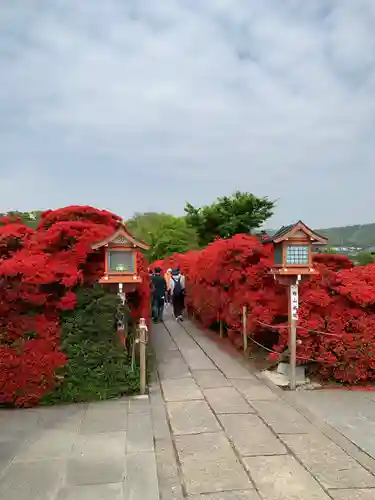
<point x="293" y="260"/>
<point x="293" y="251"/>
<point x="120" y="257"/>
<point x="120" y="268"/>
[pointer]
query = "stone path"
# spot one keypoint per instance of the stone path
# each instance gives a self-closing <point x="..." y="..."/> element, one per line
<point x="352" y="413"/>
<point x="100" y="451"/>
<point x="210" y="430"/>
<point x="221" y="433"/>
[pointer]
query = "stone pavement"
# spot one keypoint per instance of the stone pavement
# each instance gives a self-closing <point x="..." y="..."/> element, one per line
<point x="352" y="413"/>
<point x="99" y="451"/>
<point x="210" y="430"/>
<point x="223" y="433"/>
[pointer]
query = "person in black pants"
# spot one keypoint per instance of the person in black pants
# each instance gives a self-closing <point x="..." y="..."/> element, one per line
<point x="177" y="288"/>
<point x="159" y="289"/>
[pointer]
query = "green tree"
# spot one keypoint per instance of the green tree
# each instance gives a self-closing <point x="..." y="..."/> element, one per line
<point x="165" y="233"/>
<point x="144" y="225"/>
<point x="172" y="237"/>
<point x="30" y="219"/>
<point x="365" y="258"/>
<point x="228" y="215"/>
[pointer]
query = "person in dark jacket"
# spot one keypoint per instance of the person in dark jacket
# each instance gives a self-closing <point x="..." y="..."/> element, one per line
<point x="177" y="290"/>
<point x="159" y="289"/>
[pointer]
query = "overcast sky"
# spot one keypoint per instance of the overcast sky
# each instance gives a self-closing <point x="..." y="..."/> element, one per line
<point x="140" y="105"/>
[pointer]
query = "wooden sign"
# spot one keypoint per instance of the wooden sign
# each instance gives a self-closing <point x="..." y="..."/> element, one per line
<point x="294" y="302"/>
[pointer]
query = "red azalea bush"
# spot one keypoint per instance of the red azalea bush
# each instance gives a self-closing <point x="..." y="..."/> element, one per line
<point x="337" y="308"/>
<point x="39" y="273"/>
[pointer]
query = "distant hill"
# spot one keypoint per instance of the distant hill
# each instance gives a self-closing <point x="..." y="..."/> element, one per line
<point x="361" y="235"/>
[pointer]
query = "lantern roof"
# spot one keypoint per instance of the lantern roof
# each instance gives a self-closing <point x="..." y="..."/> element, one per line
<point x="121" y="236"/>
<point x="297" y="229"/>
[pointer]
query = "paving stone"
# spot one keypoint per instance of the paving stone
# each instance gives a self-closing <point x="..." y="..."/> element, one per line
<point x="254" y="390"/>
<point x="37" y="480"/>
<point x="50" y="444"/>
<point x="208" y="379"/>
<point x="159" y="421"/>
<point x="174" y="368"/>
<point x="227" y="400"/>
<point x="351" y="413"/>
<point x="209" y="464"/>
<point x="282" y="418"/>
<point x="9" y="447"/>
<point x="139" y="404"/>
<point x="331" y="466"/>
<point x="181" y="389"/>
<point x="232" y="369"/>
<point x="92" y="492"/>
<point x="168" y="476"/>
<point x="104" y="418"/>
<point x="179" y="335"/>
<point x="88" y="470"/>
<point x="18" y="424"/>
<point x="353" y="494"/>
<point x="209" y="445"/>
<point x="170" y="351"/>
<point x="62" y="417"/>
<point x="156" y="396"/>
<point x="191" y="417"/>
<point x="259" y="439"/>
<point x="140" y="433"/>
<point x="225" y="474"/>
<point x="113" y="404"/>
<point x="283" y="478"/>
<point x="196" y="359"/>
<point x="227" y="495"/>
<point x="100" y="446"/>
<point x="141" y="477"/>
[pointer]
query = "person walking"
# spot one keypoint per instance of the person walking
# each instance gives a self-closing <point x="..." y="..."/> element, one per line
<point x="167" y="277"/>
<point x="159" y="289"/>
<point x="177" y="290"/>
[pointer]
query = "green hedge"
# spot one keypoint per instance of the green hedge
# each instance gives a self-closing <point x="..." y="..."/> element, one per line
<point x="98" y="367"/>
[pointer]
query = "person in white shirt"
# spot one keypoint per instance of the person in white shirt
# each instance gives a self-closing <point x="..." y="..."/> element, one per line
<point x="177" y="290"/>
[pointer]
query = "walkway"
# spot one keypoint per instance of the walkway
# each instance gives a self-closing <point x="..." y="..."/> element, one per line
<point x="235" y="438"/>
<point x="100" y="451"/>
<point x="352" y="413"/>
<point x="210" y="430"/>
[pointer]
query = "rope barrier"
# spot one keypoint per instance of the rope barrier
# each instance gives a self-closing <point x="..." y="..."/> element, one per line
<point x="318" y="332"/>
<point x="301" y="358"/>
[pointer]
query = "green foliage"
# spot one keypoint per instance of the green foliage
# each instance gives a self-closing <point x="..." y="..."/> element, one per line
<point x="327" y="250"/>
<point x="227" y="216"/>
<point x="143" y="225"/>
<point x="30" y="219"/>
<point x="365" y="258"/>
<point x="166" y="234"/>
<point x="98" y="367"/>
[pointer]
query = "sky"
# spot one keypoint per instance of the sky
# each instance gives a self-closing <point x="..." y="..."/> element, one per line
<point x="142" y="105"/>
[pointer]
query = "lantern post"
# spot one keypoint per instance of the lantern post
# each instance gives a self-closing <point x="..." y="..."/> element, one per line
<point x="292" y="251"/>
<point x="292" y="322"/>
<point x="120" y="267"/>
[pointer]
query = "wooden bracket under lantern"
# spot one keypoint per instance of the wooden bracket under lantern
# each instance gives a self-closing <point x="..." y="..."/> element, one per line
<point x="293" y="251"/>
<point x="120" y="257"/>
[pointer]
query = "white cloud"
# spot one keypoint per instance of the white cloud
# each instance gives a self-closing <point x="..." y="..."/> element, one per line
<point x="140" y="105"/>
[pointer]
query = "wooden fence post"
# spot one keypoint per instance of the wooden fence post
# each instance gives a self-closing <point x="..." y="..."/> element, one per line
<point x="142" y="355"/>
<point x="244" y="327"/>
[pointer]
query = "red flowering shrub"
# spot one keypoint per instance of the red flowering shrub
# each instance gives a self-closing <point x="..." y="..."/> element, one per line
<point x="39" y="273"/>
<point x="337" y="308"/>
